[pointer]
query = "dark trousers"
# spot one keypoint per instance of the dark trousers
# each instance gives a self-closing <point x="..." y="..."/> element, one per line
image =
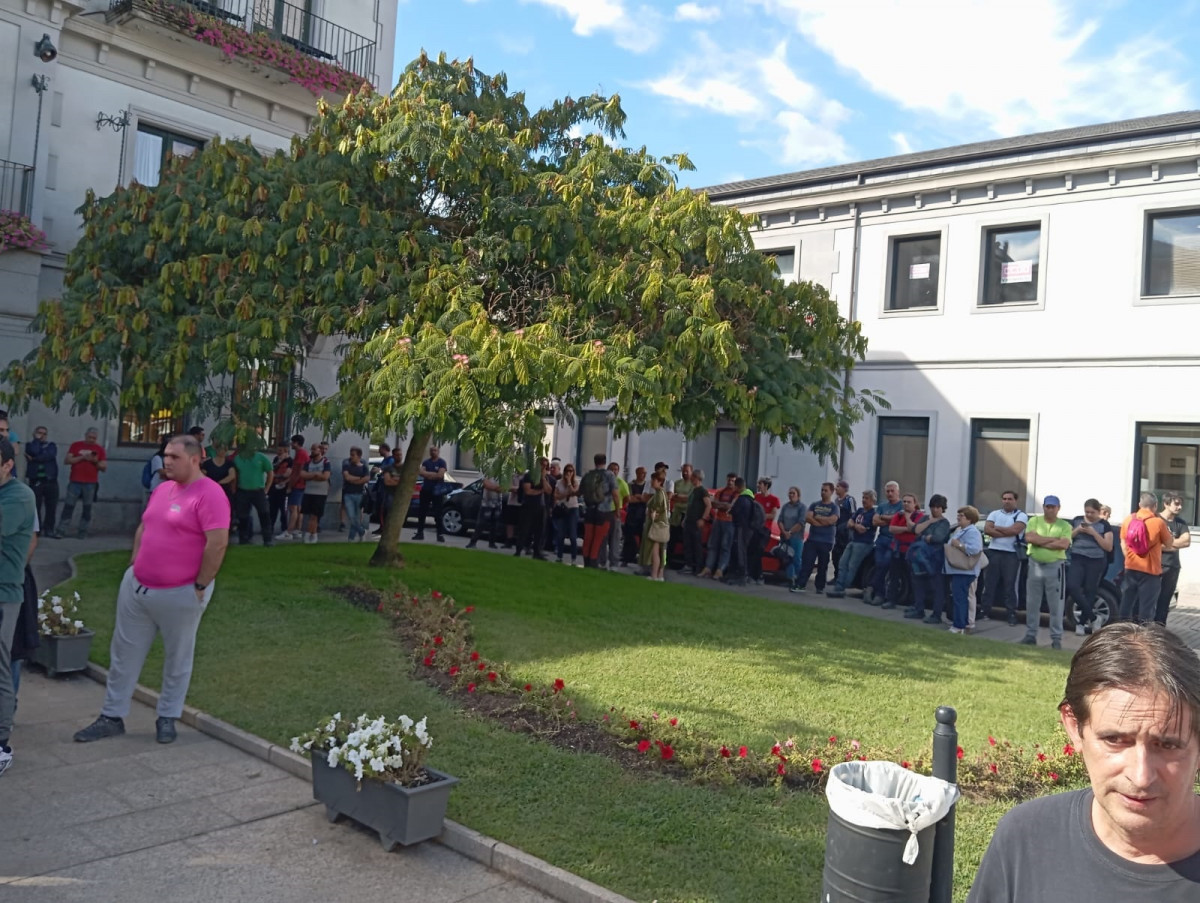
<point x="739" y="554"/>
<point x="815" y="553"/>
<point x="243" y="501"/>
<point x="929" y="588"/>
<point x="1139" y="596"/>
<point x="1170" y="579"/>
<point x="1000" y="580"/>
<point x="567" y="524"/>
<point x="430" y="501"/>
<point x="693" y="546"/>
<point x="840" y="541"/>
<point x="899" y="580"/>
<point x="45" y="497"/>
<point x="489" y="519"/>
<point x="531" y="529"/>
<point x="755" y="548"/>
<point x="635" y="525"/>
<point x="1083" y="580"/>
<point x="277" y="507"/>
<point x="883" y="560"/>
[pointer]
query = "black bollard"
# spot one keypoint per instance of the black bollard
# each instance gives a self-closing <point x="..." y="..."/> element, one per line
<point x="945" y="766"/>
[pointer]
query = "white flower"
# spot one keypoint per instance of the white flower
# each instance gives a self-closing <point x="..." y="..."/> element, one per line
<point x="58" y="609"/>
<point x="421" y="732"/>
<point x="406" y="723"/>
<point x="77" y="599"/>
<point x="79" y="624"/>
<point x="332" y="759"/>
<point x="295" y="745"/>
<point x="377" y="764"/>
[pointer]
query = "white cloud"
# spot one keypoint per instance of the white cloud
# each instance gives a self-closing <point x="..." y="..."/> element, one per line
<point x="637" y="32"/>
<point x="1028" y="66"/>
<point x="694" y="12"/>
<point x="781" y="113"/>
<point x="903" y="145"/>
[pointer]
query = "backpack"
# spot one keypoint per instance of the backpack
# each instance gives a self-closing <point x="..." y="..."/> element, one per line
<point x="148" y="473"/>
<point x="593" y="489"/>
<point x="758" y="518"/>
<point x="1137" y="537"/>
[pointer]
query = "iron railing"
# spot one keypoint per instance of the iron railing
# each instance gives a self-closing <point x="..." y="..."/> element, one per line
<point x="289" y="24"/>
<point x="16" y="187"/>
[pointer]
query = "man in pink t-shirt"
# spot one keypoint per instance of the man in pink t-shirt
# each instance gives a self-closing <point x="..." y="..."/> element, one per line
<point x="177" y="552"/>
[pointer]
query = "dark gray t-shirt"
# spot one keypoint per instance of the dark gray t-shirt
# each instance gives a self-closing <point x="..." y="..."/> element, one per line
<point x="1047" y="850"/>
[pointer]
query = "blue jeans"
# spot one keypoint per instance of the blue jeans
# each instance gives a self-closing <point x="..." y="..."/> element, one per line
<point x="815" y="552"/>
<point x="353" y="504"/>
<point x="960" y="586"/>
<point x="720" y="543"/>
<point x="883" y="562"/>
<point x="797" y="545"/>
<point x="931" y="587"/>
<point x="856" y="553"/>
<point x="84" y="492"/>
<point x="567" y="523"/>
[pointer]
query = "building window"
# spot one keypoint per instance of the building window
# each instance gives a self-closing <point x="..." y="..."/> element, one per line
<point x="1012" y="264"/>
<point x="152" y="149"/>
<point x="464" y="458"/>
<point x="593" y="439"/>
<point x="916" y="265"/>
<point x="902" y="454"/>
<point x="785" y="262"/>
<point x="150" y="429"/>
<point x="1167" y="458"/>
<point x="260" y="397"/>
<point x="999" y="462"/>
<point x="1173" y="254"/>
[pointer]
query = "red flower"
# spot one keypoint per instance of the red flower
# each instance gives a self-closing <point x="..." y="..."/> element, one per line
<point x="779" y="769"/>
<point x="470" y="688"/>
<point x="674" y="722"/>
<point x="429" y="660"/>
<point x="1041" y="757"/>
<point x="725" y="753"/>
<point x="775" y="750"/>
<point x="436" y="594"/>
<point x="395" y="595"/>
<point x="474" y="656"/>
<point x="742" y="752"/>
<point x="437" y="641"/>
<point x="379" y="607"/>
<point x="992" y="768"/>
<point x="453" y="670"/>
<point x="468" y="609"/>
<point x="634" y="725"/>
<point x="991" y="740"/>
<point x="833" y="741"/>
<point x="643" y="746"/>
<point x="558" y="684"/>
<point x="667" y="752"/>
<point x="1068" y="750"/>
<point x="862" y="758"/>
<point x="1053" y="776"/>
<point x="817" y="766"/>
<point x="906" y="764"/>
<point x="482" y="666"/>
<point x="528" y="687"/>
<point x="492" y="676"/>
<point x="960" y="752"/>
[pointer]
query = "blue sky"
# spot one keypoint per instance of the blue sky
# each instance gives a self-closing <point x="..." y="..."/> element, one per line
<point x="749" y="88"/>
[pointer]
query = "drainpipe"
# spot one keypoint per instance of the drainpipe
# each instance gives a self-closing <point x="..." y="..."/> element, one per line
<point x="851" y="316"/>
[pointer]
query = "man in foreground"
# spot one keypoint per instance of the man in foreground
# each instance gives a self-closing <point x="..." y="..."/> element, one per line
<point x="17" y="516"/>
<point x="1132" y="710"/>
<point x="177" y="551"/>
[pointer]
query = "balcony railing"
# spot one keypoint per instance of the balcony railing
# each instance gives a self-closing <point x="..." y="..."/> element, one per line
<point x="289" y="24"/>
<point x="16" y="187"/>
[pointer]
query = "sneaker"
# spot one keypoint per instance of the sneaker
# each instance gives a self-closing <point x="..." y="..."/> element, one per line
<point x="887" y="605"/>
<point x="284" y="537"/>
<point x="956" y="630"/>
<point x="1012" y="620"/>
<point x="312" y="539"/>
<point x="800" y="588"/>
<point x="759" y="581"/>
<point x="868" y="596"/>
<point x="913" y="614"/>
<point x="1056" y="644"/>
<point x="441" y="538"/>
<point x="6" y="758"/>
<point x="685" y="571"/>
<point x="1028" y="640"/>
<point x="932" y="619"/>
<point x="705" y="573"/>
<point x="417" y="537"/>
<point x="471" y="544"/>
<point x="558" y="559"/>
<point x="164" y="730"/>
<point x="835" y="593"/>
<point x="1079" y="630"/>
<point x="100" y="728"/>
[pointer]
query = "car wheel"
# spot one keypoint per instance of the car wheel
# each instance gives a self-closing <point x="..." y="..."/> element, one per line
<point x="1106" y="607"/>
<point x="452" y="521"/>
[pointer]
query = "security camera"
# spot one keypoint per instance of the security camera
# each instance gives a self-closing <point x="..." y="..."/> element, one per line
<point x="45" y="50"/>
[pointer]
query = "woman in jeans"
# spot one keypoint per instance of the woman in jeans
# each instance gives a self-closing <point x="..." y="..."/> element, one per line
<point x="566" y="501"/>
<point x="968" y="540"/>
<point x="1091" y="544"/>
<point x="355" y="474"/>
<point x="658" y="511"/>
<point x="791" y="531"/>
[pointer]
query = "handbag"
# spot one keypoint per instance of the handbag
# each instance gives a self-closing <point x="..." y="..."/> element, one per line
<point x="960" y="560"/>
<point x="660" y="531"/>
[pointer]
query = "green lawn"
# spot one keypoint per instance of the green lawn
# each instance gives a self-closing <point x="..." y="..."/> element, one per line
<point x="277" y="652"/>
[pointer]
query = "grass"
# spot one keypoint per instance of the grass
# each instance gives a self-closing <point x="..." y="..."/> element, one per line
<point x="277" y="652"/>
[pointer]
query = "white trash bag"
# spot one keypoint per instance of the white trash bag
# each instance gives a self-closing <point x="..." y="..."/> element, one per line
<point x="885" y="795"/>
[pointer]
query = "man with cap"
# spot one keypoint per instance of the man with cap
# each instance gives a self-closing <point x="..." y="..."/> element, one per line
<point x="841" y="536"/>
<point x="1049" y="537"/>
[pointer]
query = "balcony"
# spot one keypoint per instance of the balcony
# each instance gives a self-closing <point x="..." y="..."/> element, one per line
<point x="16" y="187"/>
<point x="285" y="22"/>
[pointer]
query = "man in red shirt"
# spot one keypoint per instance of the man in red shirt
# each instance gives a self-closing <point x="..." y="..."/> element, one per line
<point x="770" y="503"/>
<point x="901" y="527"/>
<point x="296" y="482"/>
<point x="86" y="459"/>
<point x="720" y="539"/>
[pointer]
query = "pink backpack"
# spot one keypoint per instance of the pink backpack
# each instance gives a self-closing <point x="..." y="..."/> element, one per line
<point x="1137" y="537"/>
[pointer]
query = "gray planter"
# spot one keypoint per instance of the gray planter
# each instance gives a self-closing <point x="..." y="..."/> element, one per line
<point x="63" y="654"/>
<point x="400" y="815"/>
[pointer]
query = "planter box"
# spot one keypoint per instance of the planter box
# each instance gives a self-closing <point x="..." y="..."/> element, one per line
<point x="63" y="654"/>
<point x="400" y="815"/>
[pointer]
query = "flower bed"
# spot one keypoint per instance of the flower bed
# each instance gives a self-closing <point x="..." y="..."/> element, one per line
<point x="437" y="633"/>
<point x="18" y="233"/>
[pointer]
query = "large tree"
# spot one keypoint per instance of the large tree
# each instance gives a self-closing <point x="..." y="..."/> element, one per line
<point x="478" y="261"/>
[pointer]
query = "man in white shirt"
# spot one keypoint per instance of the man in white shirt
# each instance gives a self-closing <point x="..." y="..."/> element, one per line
<point x="1005" y="526"/>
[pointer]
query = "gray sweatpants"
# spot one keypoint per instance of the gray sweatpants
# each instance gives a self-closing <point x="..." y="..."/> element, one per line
<point x="1045" y="579"/>
<point x="142" y="613"/>
<point x="8" y="699"/>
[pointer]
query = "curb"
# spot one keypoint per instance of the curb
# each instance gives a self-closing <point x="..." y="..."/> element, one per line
<point x="509" y="861"/>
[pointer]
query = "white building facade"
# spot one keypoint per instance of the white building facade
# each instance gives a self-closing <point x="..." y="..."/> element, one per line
<point x="96" y="94"/>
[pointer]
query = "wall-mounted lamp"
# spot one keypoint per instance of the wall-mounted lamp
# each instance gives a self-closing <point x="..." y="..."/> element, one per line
<point x="45" y="50"/>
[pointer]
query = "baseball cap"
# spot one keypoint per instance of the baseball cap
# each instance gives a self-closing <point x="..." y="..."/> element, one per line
<point x="1052" y="500"/>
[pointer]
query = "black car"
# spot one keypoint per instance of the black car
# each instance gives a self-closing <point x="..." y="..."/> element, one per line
<point x="460" y="508"/>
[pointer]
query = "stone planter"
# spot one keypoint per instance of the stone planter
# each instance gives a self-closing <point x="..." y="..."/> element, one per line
<point x="400" y="815"/>
<point x="63" y="654"/>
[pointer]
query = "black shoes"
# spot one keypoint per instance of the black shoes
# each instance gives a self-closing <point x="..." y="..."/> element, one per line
<point x="164" y="730"/>
<point x="913" y="613"/>
<point x="1012" y="620"/>
<point x="101" y="728"/>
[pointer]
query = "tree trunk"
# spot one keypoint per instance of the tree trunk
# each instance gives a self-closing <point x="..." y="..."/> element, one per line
<point x="387" y="553"/>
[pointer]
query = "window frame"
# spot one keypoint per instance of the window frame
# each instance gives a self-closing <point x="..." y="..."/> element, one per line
<point x="590" y="417"/>
<point x="1142" y="426"/>
<point x="282" y="378"/>
<point x="1149" y="211"/>
<point x="975" y="424"/>
<point x="1042" y="223"/>
<point x="168" y="137"/>
<point x="881" y="479"/>
<point x="909" y="231"/>
<point x="794" y="250"/>
<point x="176" y="424"/>
<point x="152" y="119"/>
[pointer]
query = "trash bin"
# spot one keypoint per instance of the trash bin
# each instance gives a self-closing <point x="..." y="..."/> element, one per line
<point x="879" y="843"/>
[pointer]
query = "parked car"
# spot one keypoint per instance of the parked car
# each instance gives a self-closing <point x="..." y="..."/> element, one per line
<point x="452" y="484"/>
<point x="460" y="509"/>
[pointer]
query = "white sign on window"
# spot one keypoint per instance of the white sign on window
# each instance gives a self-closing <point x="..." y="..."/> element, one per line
<point x="1016" y="271"/>
<point x="918" y="271"/>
